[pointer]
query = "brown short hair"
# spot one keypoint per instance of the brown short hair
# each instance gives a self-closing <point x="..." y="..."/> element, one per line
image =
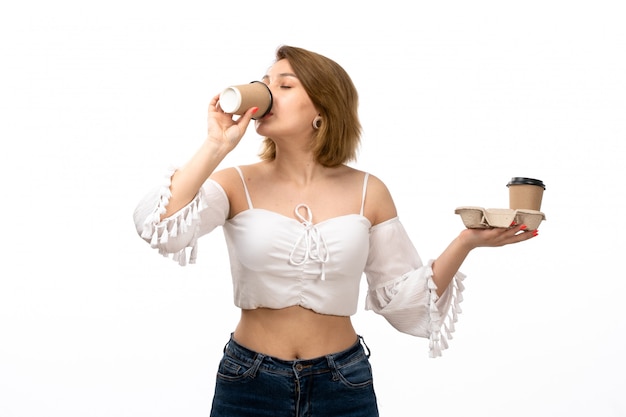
<point x="332" y="92"/>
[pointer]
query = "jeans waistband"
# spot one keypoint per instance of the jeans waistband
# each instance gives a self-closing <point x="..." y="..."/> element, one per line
<point x="327" y="363"/>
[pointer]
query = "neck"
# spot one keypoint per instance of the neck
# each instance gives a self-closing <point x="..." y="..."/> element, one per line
<point x="297" y="166"/>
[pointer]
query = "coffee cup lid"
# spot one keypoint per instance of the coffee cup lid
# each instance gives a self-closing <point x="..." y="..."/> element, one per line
<point x="526" y="181"/>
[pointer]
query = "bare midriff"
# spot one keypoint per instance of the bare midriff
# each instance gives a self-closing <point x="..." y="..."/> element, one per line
<point x="294" y="333"/>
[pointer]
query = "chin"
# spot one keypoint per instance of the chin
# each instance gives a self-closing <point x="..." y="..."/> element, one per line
<point x="261" y="128"/>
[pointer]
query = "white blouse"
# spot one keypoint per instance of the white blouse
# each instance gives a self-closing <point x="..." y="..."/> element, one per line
<point x="400" y="286"/>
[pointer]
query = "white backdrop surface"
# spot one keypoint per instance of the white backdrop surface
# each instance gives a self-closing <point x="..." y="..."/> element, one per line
<point x="97" y="100"/>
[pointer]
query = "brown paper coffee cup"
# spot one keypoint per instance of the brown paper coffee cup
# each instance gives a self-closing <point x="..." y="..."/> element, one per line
<point x="237" y="99"/>
<point x="525" y="193"/>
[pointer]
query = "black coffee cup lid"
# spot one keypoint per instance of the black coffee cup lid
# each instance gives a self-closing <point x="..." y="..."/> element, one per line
<point x="526" y="181"/>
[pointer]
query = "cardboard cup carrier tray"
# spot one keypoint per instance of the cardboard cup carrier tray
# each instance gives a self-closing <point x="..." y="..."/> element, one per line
<point x="482" y="218"/>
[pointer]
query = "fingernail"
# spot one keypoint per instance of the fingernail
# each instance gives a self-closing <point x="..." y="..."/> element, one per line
<point x="523" y="227"/>
<point x="513" y="223"/>
<point x="255" y="109"/>
<point x="535" y="232"/>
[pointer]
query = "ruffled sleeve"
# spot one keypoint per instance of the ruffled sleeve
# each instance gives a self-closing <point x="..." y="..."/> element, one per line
<point x="401" y="288"/>
<point x="173" y="235"/>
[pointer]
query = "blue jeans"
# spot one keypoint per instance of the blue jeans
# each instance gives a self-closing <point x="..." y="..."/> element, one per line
<point x="250" y="384"/>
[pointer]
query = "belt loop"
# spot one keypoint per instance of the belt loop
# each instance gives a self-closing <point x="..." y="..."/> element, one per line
<point x="255" y="366"/>
<point x="228" y="343"/>
<point x="332" y="366"/>
<point x="367" y="349"/>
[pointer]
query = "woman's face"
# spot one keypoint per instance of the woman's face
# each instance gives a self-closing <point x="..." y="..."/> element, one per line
<point x="292" y="110"/>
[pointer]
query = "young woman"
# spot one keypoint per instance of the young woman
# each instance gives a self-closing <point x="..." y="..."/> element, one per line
<point x="302" y="228"/>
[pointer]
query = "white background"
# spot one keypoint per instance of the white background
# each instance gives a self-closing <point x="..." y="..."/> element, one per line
<point x="97" y="100"/>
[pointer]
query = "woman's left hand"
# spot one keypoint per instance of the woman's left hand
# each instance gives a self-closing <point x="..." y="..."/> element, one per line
<point x="495" y="237"/>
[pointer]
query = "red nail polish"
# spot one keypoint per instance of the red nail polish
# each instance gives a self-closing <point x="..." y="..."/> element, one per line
<point x="523" y="227"/>
<point x="535" y="232"/>
<point x="255" y="109"/>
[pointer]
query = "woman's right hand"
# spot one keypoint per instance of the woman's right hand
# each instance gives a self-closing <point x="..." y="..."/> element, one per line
<point x="222" y="129"/>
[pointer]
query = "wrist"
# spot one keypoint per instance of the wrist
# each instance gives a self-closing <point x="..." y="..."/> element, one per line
<point x="215" y="148"/>
<point x="466" y="240"/>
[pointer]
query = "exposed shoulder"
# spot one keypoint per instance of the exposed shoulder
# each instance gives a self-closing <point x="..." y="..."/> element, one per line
<point x="227" y="178"/>
<point x="231" y="182"/>
<point x="379" y="205"/>
<point x="230" y="179"/>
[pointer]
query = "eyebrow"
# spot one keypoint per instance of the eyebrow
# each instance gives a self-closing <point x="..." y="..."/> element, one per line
<point x="284" y="74"/>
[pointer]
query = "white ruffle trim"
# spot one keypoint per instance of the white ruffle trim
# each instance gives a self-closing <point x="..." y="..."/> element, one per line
<point x="438" y="339"/>
<point x="410" y="304"/>
<point x="159" y="232"/>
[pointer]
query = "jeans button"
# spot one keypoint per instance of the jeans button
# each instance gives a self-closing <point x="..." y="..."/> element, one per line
<point x="299" y="367"/>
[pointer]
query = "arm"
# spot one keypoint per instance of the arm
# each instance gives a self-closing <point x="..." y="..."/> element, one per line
<point x="449" y="262"/>
<point x="223" y="135"/>
<point x="420" y="299"/>
<point x="188" y="205"/>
